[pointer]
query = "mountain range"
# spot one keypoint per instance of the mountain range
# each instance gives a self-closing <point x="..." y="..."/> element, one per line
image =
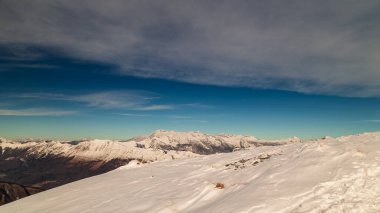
<point x="38" y="165"/>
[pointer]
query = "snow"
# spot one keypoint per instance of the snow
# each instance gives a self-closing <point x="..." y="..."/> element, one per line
<point x="173" y="138"/>
<point x="326" y="175"/>
<point x="96" y="149"/>
<point x="161" y="145"/>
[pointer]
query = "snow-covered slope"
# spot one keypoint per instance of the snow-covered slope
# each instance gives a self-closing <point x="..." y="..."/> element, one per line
<point x="53" y="163"/>
<point x="327" y="175"/>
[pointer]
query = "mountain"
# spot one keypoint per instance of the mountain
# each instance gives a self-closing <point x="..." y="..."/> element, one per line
<point x="48" y="164"/>
<point x="324" y="175"/>
<point x="200" y="143"/>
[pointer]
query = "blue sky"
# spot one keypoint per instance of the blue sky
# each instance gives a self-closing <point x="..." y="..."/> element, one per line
<point x="119" y="69"/>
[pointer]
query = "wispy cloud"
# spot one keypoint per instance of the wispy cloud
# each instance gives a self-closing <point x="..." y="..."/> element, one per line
<point x="125" y="99"/>
<point x="180" y="117"/>
<point x="372" y="121"/>
<point x="112" y="99"/>
<point x="136" y="115"/>
<point x="4" y="104"/>
<point x="155" y="107"/>
<point x="35" y="112"/>
<point x="28" y="66"/>
<point x="197" y="106"/>
<point x="189" y="121"/>
<point x="19" y="53"/>
<point x="172" y="118"/>
<point x="305" y="46"/>
<point x="128" y="100"/>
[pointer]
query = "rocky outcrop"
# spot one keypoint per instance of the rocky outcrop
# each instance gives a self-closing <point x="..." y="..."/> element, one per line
<point x="11" y="191"/>
<point x="44" y="172"/>
<point x="52" y="171"/>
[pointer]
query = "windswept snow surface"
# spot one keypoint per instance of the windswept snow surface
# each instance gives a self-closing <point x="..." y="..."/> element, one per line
<point x="326" y="175"/>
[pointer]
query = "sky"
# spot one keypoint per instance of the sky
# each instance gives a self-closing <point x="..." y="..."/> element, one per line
<point x="119" y="69"/>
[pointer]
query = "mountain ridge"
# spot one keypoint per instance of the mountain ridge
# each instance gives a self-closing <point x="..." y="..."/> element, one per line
<point x="51" y="163"/>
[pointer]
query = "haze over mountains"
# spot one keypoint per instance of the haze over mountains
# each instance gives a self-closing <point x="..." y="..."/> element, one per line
<point x="194" y="172"/>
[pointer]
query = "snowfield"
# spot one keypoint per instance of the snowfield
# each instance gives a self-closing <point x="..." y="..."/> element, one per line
<point x="326" y="175"/>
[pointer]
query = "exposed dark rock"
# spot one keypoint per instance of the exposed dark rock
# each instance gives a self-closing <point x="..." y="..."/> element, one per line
<point x="203" y="148"/>
<point x="11" y="191"/>
<point x="243" y="163"/>
<point x="45" y="172"/>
